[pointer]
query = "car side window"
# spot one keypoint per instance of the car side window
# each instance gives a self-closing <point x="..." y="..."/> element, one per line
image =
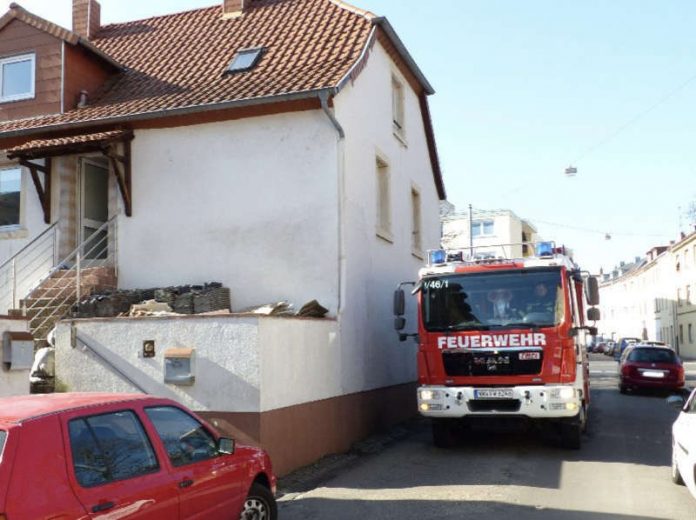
<point x="110" y="447"/>
<point x="185" y="439"/>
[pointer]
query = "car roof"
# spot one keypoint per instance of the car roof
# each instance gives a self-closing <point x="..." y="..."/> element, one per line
<point x="21" y="408"/>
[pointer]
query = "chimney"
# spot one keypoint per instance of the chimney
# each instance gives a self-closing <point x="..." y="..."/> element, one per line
<point x="234" y="8"/>
<point x="86" y="18"/>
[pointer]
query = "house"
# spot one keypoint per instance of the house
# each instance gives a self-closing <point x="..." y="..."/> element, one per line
<point x="283" y="148"/>
<point x="499" y="233"/>
<point x="651" y="297"/>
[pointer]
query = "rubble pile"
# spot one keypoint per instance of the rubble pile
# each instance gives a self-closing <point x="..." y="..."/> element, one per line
<point x="185" y="299"/>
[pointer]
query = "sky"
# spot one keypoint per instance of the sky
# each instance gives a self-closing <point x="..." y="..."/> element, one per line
<point x="526" y="89"/>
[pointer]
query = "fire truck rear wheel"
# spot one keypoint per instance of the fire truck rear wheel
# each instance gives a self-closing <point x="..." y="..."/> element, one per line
<point x="444" y="433"/>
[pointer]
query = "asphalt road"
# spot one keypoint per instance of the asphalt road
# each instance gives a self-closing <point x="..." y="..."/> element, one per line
<point x="621" y="472"/>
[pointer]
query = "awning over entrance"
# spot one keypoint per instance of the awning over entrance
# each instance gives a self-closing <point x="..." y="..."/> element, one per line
<point x="107" y="143"/>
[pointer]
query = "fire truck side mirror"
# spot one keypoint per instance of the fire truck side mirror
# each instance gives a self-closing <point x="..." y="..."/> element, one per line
<point x="593" y="314"/>
<point x="399" y="303"/>
<point x="592" y="291"/>
<point x="399" y="323"/>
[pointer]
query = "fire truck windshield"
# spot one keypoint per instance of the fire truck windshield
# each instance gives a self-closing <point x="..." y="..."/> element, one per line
<point x="488" y="300"/>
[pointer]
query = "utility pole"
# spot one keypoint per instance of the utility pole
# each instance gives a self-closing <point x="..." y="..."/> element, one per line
<point x="471" y="233"/>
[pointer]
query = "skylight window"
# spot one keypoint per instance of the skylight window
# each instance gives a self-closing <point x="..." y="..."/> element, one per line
<point x="245" y="59"/>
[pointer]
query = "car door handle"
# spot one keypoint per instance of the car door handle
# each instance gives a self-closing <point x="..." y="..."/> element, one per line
<point x="102" y="506"/>
<point x="186" y="483"/>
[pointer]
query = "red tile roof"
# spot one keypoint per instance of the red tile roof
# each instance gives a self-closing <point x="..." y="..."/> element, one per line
<point x="178" y="61"/>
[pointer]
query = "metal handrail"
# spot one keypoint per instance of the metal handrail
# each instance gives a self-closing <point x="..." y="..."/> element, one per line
<point x="23" y="271"/>
<point x="75" y="251"/>
<point x="30" y="244"/>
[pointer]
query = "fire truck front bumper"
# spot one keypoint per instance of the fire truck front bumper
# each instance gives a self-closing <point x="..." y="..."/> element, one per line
<point x="536" y="402"/>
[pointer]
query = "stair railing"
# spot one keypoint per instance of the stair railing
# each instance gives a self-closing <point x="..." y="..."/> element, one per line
<point x="97" y="250"/>
<point x="25" y="270"/>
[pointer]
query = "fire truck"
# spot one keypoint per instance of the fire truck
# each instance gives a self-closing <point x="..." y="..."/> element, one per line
<point x="502" y="337"/>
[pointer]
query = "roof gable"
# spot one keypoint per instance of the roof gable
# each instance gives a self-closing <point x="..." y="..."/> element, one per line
<point x="17" y="12"/>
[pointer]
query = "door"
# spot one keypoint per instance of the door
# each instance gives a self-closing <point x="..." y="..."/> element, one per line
<point x="212" y="485"/>
<point x="113" y="466"/>
<point x="94" y="208"/>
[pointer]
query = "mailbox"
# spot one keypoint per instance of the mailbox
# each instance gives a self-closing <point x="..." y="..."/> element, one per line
<point x="17" y="350"/>
<point x="179" y="365"/>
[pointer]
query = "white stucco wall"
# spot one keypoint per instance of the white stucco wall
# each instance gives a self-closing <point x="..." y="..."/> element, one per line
<point x="250" y="203"/>
<point x="242" y="363"/>
<point x="12" y="382"/>
<point x="372" y="356"/>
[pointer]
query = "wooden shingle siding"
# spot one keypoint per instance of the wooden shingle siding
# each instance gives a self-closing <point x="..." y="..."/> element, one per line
<point x="19" y="38"/>
<point x="82" y="72"/>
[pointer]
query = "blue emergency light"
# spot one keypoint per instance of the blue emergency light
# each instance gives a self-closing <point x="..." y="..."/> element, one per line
<point x="544" y="249"/>
<point x="437" y="256"/>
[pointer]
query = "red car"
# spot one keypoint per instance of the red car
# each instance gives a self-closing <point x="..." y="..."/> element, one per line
<point x="650" y="366"/>
<point x="82" y="456"/>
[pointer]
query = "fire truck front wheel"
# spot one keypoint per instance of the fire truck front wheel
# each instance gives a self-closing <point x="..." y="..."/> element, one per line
<point x="444" y="433"/>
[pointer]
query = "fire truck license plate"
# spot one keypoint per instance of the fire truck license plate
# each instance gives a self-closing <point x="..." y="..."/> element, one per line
<point x="493" y="393"/>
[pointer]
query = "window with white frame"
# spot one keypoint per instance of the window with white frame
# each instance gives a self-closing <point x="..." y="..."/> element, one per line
<point x="10" y="189"/>
<point x="416" y="239"/>
<point x="17" y="77"/>
<point x="398" y="106"/>
<point x="688" y="295"/>
<point x="481" y="228"/>
<point x="383" y="200"/>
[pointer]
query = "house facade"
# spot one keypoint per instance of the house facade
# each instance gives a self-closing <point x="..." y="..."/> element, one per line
<point x="500" y="233"/>
<point x="652" y="297"/>
<point x="283" y="148"/>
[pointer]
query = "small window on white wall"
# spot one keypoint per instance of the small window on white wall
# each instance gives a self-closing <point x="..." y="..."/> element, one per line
<point x="10" y="189"/>
<point x="416" y="237"/>
<point x="17" y="78"/>
<point x="383" y="200"/>
<point x="481" y="228"/>
<point x="398" y="106"/>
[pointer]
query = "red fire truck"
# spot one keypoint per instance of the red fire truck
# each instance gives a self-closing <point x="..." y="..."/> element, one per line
<point x="502" y="337"/>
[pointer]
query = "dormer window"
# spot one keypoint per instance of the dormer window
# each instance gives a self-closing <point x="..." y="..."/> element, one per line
<point x="17" y="77"/>
<point x="245" y="59"/>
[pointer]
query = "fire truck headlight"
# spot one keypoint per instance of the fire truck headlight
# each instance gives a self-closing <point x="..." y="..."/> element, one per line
<point x="429" y="407"/>
<point x="571" y="406"/>
<point x="564" y="393"/>
<point x="429" y="395"/>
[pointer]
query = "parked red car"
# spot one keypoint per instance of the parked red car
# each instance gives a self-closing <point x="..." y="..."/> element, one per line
<point x="84" y="456"/>
<point x="650" y="366"/>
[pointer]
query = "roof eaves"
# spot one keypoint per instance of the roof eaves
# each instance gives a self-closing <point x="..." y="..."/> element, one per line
<point x="170" y="112"/>
<point x="401" y="48"/>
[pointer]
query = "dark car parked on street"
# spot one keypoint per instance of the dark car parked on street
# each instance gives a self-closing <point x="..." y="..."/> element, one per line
<point x="650" y="366"/>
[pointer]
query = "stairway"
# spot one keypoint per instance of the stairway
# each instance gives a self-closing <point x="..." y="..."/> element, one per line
<point x="55" y="296"/>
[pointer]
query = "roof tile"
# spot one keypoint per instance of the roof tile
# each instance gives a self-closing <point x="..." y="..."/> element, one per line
<point x="178" y="60"/>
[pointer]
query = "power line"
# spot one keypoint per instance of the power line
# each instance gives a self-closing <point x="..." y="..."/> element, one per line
<point x="634" y="120"/>
<point x="608" y="234"/>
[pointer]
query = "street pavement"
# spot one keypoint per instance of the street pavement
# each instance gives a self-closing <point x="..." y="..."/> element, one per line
<point x="621" y="472"/>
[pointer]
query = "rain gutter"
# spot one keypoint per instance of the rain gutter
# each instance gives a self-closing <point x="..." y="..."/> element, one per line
<point x="171" y="112"/>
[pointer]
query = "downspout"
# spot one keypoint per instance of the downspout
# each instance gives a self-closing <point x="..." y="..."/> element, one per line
<point x="340" y="160"/>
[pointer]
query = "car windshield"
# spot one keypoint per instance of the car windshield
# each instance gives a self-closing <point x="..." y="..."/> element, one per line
<point x="652" y="355"/>
<point x="3" y="436"/>
<point x="481" y="301"/>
